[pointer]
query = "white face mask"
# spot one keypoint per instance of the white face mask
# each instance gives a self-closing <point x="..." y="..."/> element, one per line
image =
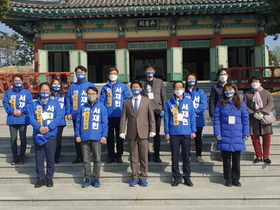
<point x="255" y="85"/>
<point x="223" y="78"/>
<point x="178" y="92"/>
<point x="92" y="98"/>
<point x="113" y="77"/>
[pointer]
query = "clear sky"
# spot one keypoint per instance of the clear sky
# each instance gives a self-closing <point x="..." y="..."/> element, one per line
<point x="268" y="40"/>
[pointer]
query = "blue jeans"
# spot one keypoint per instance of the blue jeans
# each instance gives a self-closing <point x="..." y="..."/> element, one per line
<point x="183" y="141"/>
<point x="22" y="134"/>
<point x="46" y="151"/>
<point x="94" y="147"/>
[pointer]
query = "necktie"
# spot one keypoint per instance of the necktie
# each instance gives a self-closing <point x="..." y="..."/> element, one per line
<point x="136" y="105"/>
<point x="179" y="101"/>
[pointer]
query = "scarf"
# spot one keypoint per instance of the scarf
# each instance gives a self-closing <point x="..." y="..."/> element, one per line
<point x="257" y="98"/>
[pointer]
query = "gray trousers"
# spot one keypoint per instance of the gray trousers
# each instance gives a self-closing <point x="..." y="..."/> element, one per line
<point x="91" y="147"/>
<point x="22" y="134"/>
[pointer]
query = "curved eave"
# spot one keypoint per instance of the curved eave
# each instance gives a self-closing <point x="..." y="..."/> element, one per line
<point x="66" y="13"/>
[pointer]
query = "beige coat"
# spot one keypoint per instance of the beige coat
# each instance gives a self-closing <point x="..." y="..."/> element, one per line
<point x="142" y="123"/>
<point x="256" y="128"/>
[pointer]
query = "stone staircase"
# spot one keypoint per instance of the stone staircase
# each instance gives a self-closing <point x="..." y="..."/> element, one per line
<point x="17" y="182"/>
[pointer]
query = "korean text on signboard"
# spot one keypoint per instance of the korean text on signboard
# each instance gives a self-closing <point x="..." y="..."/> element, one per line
<point x="147" y="23"/>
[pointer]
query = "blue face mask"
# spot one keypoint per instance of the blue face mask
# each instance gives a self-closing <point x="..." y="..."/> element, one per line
<point x="150" y="74"/>
<point x="229" y="94"/>
<point x="44" y="94"/>
<point x="136" y="92"/>
<point x="80" y="76"/>
<point x="17" y="84"/>
<point x="56" y="87"/>
<point x="191" y="82"/>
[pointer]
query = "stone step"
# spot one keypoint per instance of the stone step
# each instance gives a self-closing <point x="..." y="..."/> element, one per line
<point x="161" y="195"/>
<point x="164" y="155"/>
<point x="125" y="177"/>
<point x="208" y="166"/>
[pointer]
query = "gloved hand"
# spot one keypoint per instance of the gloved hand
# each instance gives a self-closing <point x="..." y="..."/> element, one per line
<point x="258" y="116"/>
<point x="162" y="113"/>
<point x="245" y="138"/>
<point x="219" y="138"/>
<point x="122" y="135"/>
<point x="152" y="134"/>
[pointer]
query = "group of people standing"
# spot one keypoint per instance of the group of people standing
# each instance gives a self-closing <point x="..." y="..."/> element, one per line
<point x="115" y="114"/>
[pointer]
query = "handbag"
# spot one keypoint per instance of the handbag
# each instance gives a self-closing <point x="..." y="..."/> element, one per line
<point x="268" y="119"/>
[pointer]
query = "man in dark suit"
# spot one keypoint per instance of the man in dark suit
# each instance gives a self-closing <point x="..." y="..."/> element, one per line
<point x="138" y="115"/>
<point x="154" y="89"/>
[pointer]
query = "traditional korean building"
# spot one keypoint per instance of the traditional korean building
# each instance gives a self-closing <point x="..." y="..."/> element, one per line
<point x="179" y="36"/>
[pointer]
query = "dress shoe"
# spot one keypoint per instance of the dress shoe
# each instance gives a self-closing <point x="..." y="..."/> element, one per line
<point x="267" y="160"/>
<point x="236" y="183"/>
<point x="176" y="182"/>
<point x="111" y="160"/>
<point x="228" y="183"/>
<point x="143" y="183"/>
<point x="257" y="160"/>
<point x="188" y="182"/>
<point x="15" y="161"/>
<point x="134" y="182"/>
<point x="78" y="160"/>
<point x="21" y="161"/>
<point x="39" y="184"/>
<point x="119" y="160"/>
<point x="49" y="183"/>
<point x="157" y="160"/>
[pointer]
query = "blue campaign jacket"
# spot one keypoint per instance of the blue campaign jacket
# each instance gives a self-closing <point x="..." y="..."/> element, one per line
<point x="92" y="122"/>
<point x="174" y="127"/>
<point x="17" y="99"/>
<point x="61" y="101"/>
<point x="232" y="134"/>
<point x="199" y="99"/>
<point x="55" y="115"/>
<point x="76" y="97"/>
<point x="113" y="97"/>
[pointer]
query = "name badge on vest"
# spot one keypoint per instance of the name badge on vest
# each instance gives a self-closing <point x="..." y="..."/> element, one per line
<point x="231" y="120"/>
<point x="180" y="117"/>
<point x="151" y="95"/>
<point x="45" y="116"/>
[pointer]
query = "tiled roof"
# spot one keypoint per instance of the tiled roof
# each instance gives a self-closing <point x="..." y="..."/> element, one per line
<point x="116" y="3"/>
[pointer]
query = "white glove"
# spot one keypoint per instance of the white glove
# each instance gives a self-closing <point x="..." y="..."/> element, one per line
<point x="122" y="135"/>
<point x="152" y="134"/>
<point x="258" y="116"/>
<point x="162" y="113"/>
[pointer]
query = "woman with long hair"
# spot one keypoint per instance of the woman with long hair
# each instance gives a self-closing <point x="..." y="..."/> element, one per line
<point x="58" y="95"/>
<point x="231" y="128"/>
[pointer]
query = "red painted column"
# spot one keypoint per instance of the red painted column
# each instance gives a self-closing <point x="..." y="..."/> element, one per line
<point x="217" y="40"/>
<point x="173" y="41"/>
<point x="80" y="45"/>
<point x="259" y="40"/>
<point x="38" y="45"/>
<point x="121" y="43"/>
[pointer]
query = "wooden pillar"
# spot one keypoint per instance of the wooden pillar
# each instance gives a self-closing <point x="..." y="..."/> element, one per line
<point x="259" y="40"/>
<point x="38" y="45"/>
<point x="80" y="45"/>
<point x="217" y="40"/>
<point x="173" y="41"/>
<point x="121" y="43"/>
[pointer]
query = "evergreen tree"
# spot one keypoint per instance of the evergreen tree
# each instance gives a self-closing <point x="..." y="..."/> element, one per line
<point x="4" y="8"/>
<point x="274" y="29"/>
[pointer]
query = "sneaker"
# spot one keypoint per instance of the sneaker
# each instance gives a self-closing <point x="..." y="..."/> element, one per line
<point x="267" y="160"/>
<point x="95" y="183"/>
<point x="236" y="183"/>
<point x="39" y="184"/>
<point x="15" y="161"/>
<point x="21" y="161"/>
<point x="257" y="160"/>
<point x="134" y="182"/>
<point x="143" y="183"/>
<point x="199" y="160"/>
<point x="86" y="183"/>
<point x="49" y="183"/>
